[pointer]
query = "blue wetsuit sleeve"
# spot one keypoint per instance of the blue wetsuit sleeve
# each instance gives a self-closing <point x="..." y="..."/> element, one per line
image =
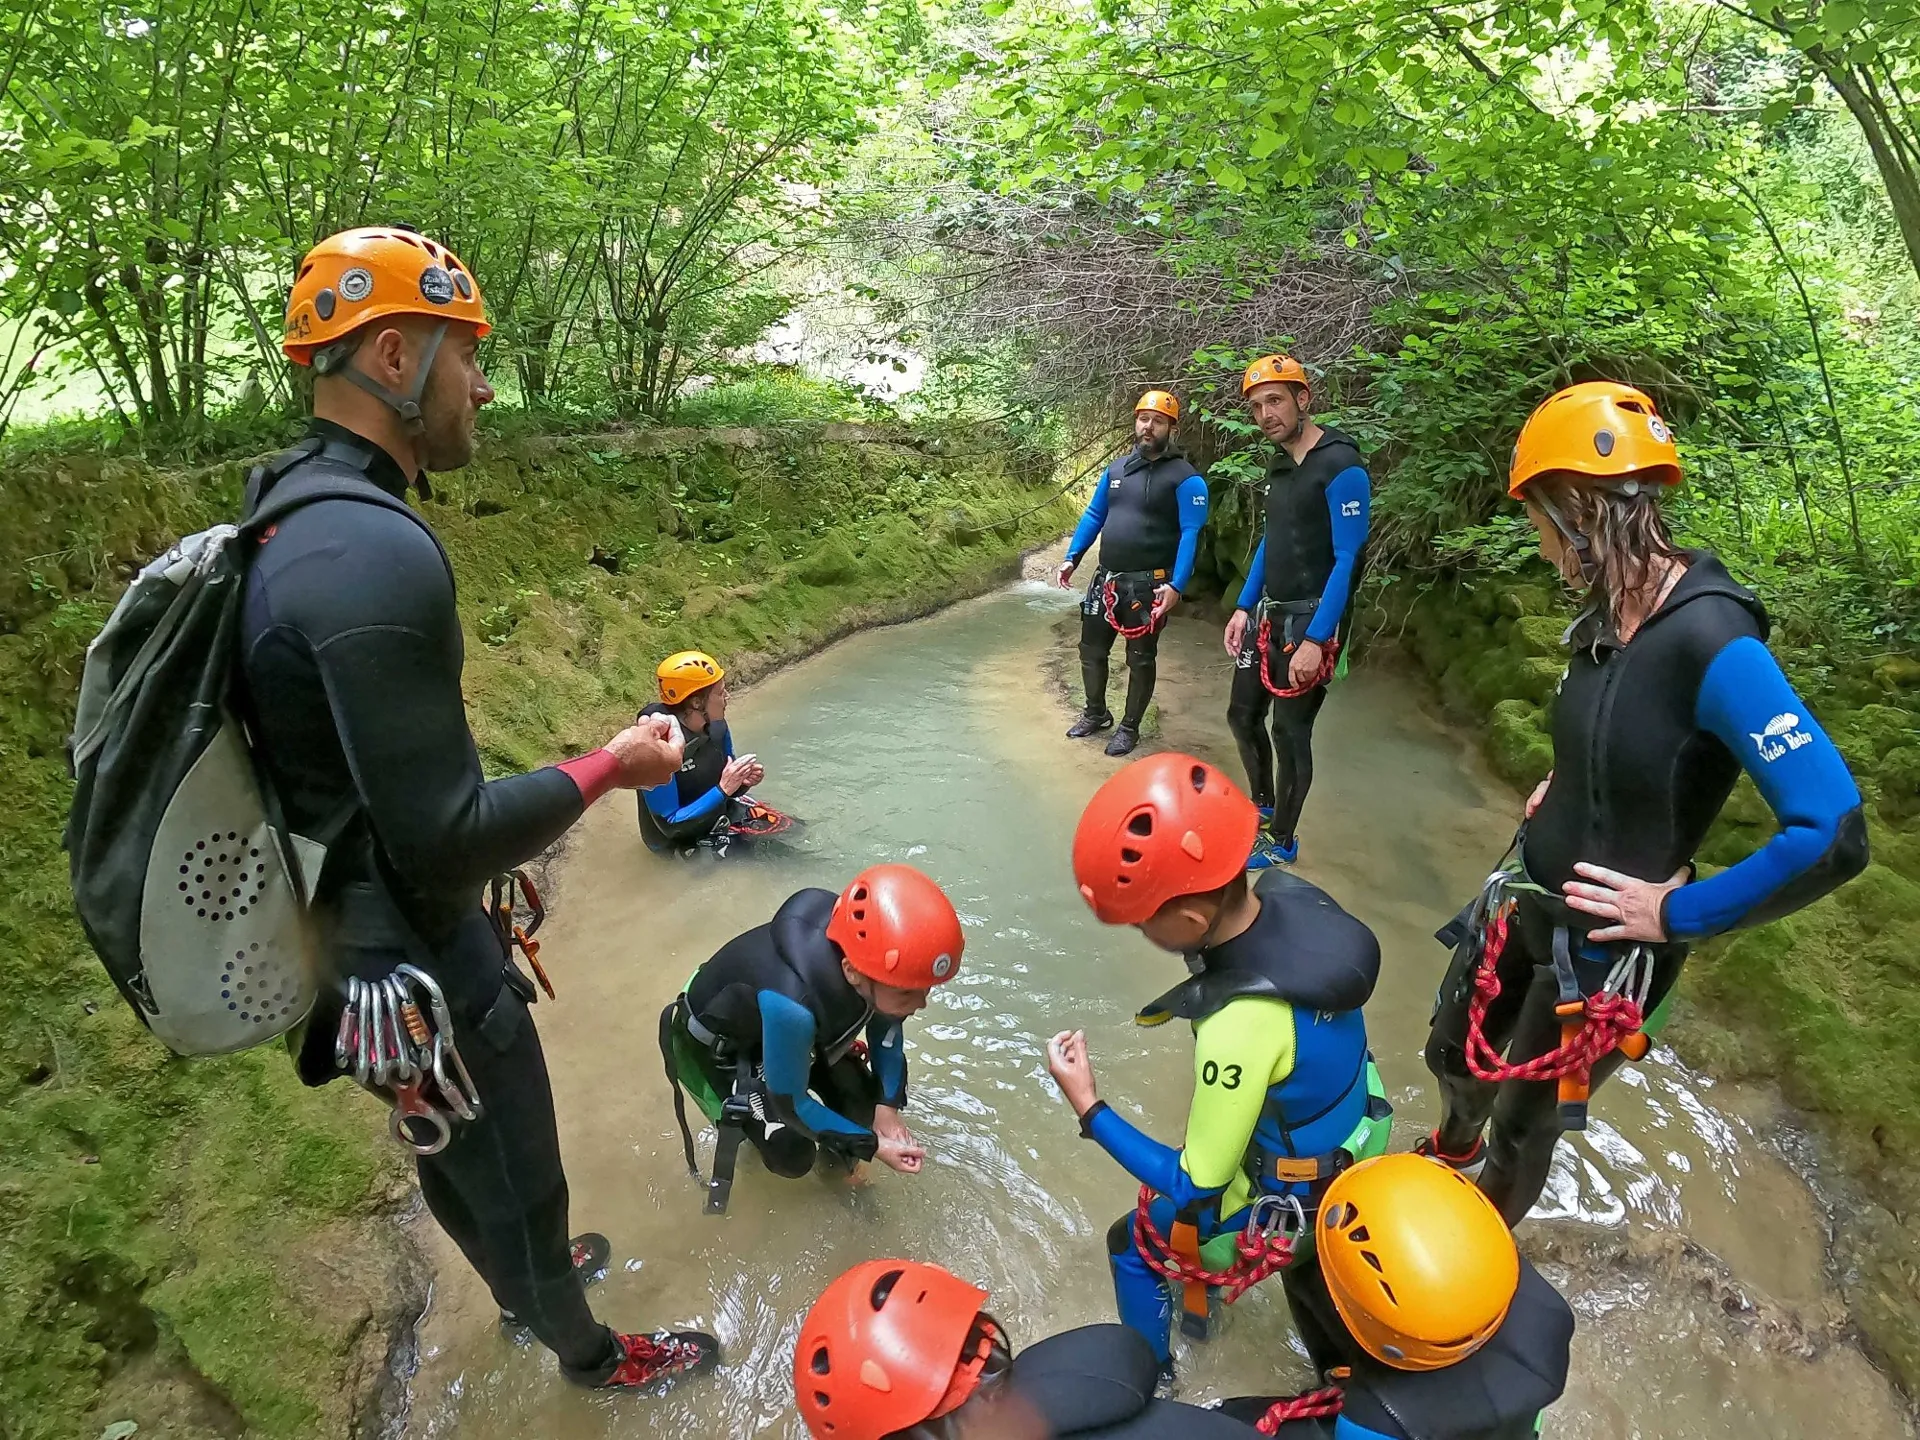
<point x="786" y="1052"/>
<point x="1256" y="577"/>
<point x="664" y="801"/>
<point x="1193" y="501"/>
<point x="1146" y="1159"/>
<point x="887" y="1048"/>
<point x="1349" y="497"/>
<point x="1746" y="701"/>
<point x="1345" y="1429"/>
<point x="1091" y="520"/>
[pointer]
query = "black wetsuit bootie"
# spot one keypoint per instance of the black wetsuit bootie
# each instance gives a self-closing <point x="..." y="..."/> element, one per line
<point x="1124" y="739"/>
<point x="1089" y="724"/>
<point x="591" y="1254"/>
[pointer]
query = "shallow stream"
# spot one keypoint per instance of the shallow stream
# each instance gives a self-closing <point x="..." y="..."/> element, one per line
<point x="1691" y="1249"/>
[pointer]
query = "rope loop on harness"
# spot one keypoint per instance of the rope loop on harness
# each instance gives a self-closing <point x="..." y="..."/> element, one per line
<point x="1329" y="662"/>
<point x="1312" y="1405"/>
<point x="1606" y="1020"/>
<point x="1261" y="1251"/>
<point x="1110" y="598"/>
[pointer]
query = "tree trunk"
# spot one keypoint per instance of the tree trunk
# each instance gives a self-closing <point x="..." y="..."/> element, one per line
<point x="1903" y="187"/>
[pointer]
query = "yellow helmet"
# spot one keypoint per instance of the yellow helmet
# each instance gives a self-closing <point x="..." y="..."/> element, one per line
<point x="1606" y="431"/>
<point x="1420" y="1265"/>
<point x="1160" y="403"/>
<point x="1271" y="368"/>
<point x="687" y="672"/>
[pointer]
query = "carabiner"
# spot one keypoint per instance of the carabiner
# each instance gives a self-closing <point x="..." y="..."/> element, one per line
<point x="1290" y="1217"/>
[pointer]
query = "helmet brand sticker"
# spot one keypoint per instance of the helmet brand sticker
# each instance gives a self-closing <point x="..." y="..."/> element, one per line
<point x="942" y="966"/>
<point x="356" y="285"/>
<point x="437" y="285"/>
<point x="1659" y="429"/>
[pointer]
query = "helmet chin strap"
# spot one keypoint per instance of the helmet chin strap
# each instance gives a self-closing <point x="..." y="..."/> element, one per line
<point x="334" y="360"/>
<point x="1582" y="550"/>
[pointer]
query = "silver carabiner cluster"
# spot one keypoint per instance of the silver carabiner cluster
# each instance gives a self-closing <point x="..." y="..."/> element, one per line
<point x="1278" y="1215"/>
<point x="402" y="1052"/>
<point x="1632" y="976"/>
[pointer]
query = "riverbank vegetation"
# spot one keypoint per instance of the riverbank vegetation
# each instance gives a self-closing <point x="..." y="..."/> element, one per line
<point x="981" y="227"/>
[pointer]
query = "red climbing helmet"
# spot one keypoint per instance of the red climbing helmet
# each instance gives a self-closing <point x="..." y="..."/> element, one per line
<point x="1164" y="827"/>
<point x="884" y="1349"/>
<point x="896" y="926"/>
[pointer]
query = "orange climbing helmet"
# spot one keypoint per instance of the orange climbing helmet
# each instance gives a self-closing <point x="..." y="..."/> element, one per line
<point x="1159" y="402"/>
<point x="1419" y="1264"/>
<point x="1601" y="429"/>
<point x="1271" y="369"/>
<point x="367" y="274"/>
<point x="686" y="672"/>
<point x="1163" y="827"/>
<point x="896" y="926"/>
<point x="886" y="1348"/>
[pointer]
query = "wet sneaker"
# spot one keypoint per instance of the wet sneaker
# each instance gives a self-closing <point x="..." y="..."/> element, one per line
<point x="1287" y="851"/>
<point x="665" y="1355"/>
<point x="1124" y="739"/>
<point x="591" y="1252"/>
<point x="1266" y="853"/>
<point x="1166" y="1384"/>
<point x="1469" y="1164"/>
<point x="1089" y="724"/>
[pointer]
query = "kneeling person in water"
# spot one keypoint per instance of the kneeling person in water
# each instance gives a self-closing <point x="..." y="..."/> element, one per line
<point x="707" y="800"/>
<point x="1285" y="1092"/>
<point x="1423" y="1314"/>
<point x="897" y="1350"/>
<point x="776" y="1019"/>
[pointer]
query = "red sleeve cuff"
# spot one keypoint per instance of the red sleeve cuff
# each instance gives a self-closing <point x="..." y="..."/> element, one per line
<point x="594" y="774"/>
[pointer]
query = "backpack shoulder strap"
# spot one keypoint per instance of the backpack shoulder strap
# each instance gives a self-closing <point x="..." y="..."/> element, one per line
<point x="316" y="469"/>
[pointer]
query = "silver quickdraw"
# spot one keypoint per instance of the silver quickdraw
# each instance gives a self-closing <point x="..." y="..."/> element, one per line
<point x="406" y="1055"/>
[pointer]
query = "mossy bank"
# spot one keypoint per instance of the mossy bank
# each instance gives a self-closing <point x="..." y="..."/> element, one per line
<point x="206" y="1248"/>
<point x="1826" y="1003"/>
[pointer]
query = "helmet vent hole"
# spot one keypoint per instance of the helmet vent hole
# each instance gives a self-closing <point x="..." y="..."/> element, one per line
<point x="1198" y="778"/>
<point x="1141" y="824"/>
<point x="883" y="1288"/>
<point x="1129" y="855"/>
<point x="1359" y="1235"/>
<point x="1373" y="1260"/>
<point x="823" y="1400"/>
<point x="822" y="1365"/>
<point x="1392" y="1299"/>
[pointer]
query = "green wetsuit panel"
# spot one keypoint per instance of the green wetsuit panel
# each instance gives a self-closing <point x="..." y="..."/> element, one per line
<point x="1240" y="1052"/>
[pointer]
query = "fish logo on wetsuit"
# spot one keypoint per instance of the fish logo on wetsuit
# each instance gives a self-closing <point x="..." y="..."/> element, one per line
<point x="1781" y="736"/>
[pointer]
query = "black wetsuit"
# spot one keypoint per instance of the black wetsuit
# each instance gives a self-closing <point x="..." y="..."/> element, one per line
<point x="1302" y="580"/>
<point x="1148" y="515"/>
<point x="1648" y="741"/>
<point x="772" y="1013"/>
<point x="1496" y="1393"/>
<point x="1095" y="1382"/>
<point x="690" y="806"/>
<point x="350" y="661"/>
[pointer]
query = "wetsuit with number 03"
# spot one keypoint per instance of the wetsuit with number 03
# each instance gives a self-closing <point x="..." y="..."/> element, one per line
<point x="1147" y="514"/>
<point x="1306" y="567"/>
<point x="350" y="655"/>
<point x="1281" y="1074"/>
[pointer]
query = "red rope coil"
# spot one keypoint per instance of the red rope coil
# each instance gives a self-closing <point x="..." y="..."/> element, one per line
<point x="1109" y="597"/>
<point x="1259" y="1255"/>
<point x="1329" y="661"/>
<point x="1607" y="1020"/>
<point x="1313" y="1405"/>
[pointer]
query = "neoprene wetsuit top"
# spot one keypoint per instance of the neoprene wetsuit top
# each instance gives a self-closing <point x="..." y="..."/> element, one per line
<point x="1151" y="513"/>
<point x="1280" y="1056"/>
<point x="1648" y="740"/>
<point x="778" y="995"/>
<point x="689" y="805"/>
<point x="350" y="655"/>
<point x="1316" y="529"/>
<point x="1497" y="1393"/>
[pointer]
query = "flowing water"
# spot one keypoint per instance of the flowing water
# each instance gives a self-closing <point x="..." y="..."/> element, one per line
<point x="940" y="743"/>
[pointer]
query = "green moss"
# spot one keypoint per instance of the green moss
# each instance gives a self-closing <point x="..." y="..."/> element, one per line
<point x="1518" y="745"/>
<point x="1542" y="635"/>
<point x="165" y="1210"/>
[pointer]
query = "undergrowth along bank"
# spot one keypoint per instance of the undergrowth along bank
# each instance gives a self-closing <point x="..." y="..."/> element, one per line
<point x="1824" y="1003"/>
<point x="202" y="1247"/>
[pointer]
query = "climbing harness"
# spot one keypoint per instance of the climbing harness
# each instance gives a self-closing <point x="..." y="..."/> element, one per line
<point x="503" y="899"/>
<point x="1311" y="1405"/>
<point x="750" y="819"/>
<point x="1264" y="1248"/>
<point x="745" y="1101"/>
<point x="1591" y="1026"/>
<point x="1138" y="586"/>
<point x="406" y="1054"/>
<point x="1329" y="653"/>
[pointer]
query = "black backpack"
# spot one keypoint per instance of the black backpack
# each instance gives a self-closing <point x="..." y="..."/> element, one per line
<point x="192" y="890"/>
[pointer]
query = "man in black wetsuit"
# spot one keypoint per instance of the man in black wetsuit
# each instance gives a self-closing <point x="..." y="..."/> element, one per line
<point x="1301" y="585"/>
<point x="1147" y="512"/>
<point x="350" y="655"/>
